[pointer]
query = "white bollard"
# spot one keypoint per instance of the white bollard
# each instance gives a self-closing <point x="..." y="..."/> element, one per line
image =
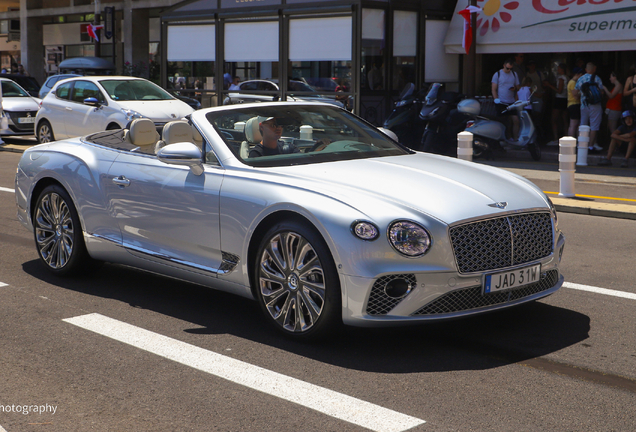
<point x="584" y="142"/>
<point x="465" y="146"/>
<point x="567" y="160"/>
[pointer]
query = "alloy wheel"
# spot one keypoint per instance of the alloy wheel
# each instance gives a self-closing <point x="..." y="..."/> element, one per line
<point x="54" y="231"/>
<point x="45" y="133"/>
<point x="291" y="282"/>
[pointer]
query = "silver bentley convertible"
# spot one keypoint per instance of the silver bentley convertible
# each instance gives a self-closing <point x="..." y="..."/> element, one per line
<point x="304" y="207"/>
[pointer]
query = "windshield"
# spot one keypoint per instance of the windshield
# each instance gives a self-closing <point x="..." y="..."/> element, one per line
<point x="299" y="134"/>
<point x="132" y="90"/>
<point x="11" y="89"/>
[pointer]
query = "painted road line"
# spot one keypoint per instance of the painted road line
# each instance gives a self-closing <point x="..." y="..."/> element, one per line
<point x="3" y="189"/>
<point x="2" y="429"/>
<point x="594" y="196"/>
<point x="2" y="284"/>
<point x="326" y="401"/>
<point x="598" y="290"/>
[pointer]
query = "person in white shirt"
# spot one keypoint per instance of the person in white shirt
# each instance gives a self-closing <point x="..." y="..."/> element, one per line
<point x="235" y="84"/>
<point x="504" y="85"/>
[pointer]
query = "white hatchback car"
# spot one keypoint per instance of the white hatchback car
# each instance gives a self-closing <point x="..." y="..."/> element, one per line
<point x="19" y="108"/>
<point x="83" y="105"/>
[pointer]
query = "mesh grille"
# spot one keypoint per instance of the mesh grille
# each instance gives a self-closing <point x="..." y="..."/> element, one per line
<point x="502" y="242"/>
<point x="379" y="302"/>
<point x="472" y="298"/>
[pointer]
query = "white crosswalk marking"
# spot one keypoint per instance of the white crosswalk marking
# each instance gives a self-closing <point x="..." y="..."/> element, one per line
<point x="598" y="290"/>
<point x="326" y="401"/>
<point x="4" y="189"/>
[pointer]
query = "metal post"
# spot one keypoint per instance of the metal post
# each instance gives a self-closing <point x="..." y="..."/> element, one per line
<point x="567" y="168"/>
<point x="465" y="146"/>
<point x="584" y="142"/>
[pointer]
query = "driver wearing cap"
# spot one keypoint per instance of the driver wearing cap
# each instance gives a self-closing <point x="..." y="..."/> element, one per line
<point x="271" y="145"/>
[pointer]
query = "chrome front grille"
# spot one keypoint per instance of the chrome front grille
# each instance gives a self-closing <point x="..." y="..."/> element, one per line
<point x="379" y="302"/>
<point x="502" y="242"/>
<point x="472" y="298"/>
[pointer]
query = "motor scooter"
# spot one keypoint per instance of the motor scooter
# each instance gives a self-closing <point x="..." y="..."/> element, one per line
<point x="404" y="121"/>
<point x="489" y="135"/>
<point x="444" y="120"/>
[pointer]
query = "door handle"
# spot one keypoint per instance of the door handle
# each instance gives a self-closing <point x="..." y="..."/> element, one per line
<point x="68" y="108"/>
<point x="121" y="181"/>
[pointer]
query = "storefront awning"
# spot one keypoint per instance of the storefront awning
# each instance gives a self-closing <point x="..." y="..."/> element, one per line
<point x="511" y="26"/>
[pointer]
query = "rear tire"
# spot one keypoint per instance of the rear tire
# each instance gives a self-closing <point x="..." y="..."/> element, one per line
<point x="58" y="233"/>
<point x="45" y="132"/>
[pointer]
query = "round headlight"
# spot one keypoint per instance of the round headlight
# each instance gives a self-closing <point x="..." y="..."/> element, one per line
<point x="365" y="230"/>
<point x="409" y="238"/>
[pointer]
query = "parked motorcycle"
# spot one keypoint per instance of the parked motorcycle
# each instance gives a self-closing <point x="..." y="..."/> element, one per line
<point x="489" y="135"/>
<point x="444" y="120"/>
<point x="404" y="120"/>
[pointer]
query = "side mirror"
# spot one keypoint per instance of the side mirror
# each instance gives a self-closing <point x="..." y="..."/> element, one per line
<point x="91" y="101"/>
<point x="183" y="154"/>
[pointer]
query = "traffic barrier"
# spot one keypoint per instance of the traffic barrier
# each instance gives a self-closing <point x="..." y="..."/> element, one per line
<point x="567" y="168"/>
<point x="584" y="142"/>
<point x="465" y="146"/>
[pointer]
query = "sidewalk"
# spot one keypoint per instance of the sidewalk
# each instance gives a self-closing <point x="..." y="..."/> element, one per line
<point x="600" y="191"/>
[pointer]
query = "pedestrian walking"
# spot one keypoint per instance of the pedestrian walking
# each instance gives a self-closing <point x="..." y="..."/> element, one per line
<point x="574" y="103"/>
<point x="590" y="88"/>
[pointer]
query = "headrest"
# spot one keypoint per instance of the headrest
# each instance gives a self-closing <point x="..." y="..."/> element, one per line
<point x="177" y="131"/>
<point x="252" y="132"/>
<point x="142" y="132"/>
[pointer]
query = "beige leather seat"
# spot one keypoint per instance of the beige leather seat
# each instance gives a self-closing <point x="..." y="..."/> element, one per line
<point x="252" y="136"/>
<point x="143" y="134"/>
<point x="175" y="132"/>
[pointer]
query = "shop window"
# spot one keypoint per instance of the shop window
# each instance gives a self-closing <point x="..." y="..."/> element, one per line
<point x="87" y="50"/>
<point x="404" y="48"/>
<point x="320" y="56"/>
<point x="372" y="56"/>
<point x="251" y="52"/>
<point x="191" y="65"/>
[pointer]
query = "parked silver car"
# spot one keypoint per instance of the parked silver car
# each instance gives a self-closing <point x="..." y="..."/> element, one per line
<point x="19" y="107"/>
<point x="266" y="91"/>
<point x="337" y="224"/>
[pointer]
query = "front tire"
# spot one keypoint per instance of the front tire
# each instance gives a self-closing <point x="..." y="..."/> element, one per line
<point x="297" y="283"/>
<point x="45" y="132"/>
<point x="58" y="233"/>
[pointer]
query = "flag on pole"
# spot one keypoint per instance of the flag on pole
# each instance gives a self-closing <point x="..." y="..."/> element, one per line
<point x="468" y="27"/>
<point x="92" y="31"/>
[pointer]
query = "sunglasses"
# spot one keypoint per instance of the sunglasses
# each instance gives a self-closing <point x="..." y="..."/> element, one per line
<point x="507" y="68"/>
<point x="273" y="124"/>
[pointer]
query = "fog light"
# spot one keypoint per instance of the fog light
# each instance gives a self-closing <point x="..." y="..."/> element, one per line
<point x="398" y="288"/>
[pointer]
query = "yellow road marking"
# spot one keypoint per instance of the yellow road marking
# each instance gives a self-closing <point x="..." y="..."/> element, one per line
<point x="597" y="197"/>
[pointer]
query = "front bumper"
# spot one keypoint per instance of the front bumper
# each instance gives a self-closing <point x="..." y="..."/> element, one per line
<point x="442" y="295"/>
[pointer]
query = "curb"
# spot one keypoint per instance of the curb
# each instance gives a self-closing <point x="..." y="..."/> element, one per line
<point x="12" y="148"/>
<point x="620" y="211"/>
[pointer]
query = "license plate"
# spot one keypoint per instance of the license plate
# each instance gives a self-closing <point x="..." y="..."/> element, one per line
<point x="26" y="120"/>
<point x="512" y="279"/>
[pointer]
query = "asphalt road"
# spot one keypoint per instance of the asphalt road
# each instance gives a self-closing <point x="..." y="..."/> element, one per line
<point x="567" y="362"/>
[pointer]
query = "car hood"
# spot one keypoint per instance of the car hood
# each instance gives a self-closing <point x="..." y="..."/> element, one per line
<point x="20" y="104"/>
<point x="447" y="189"/>
<point x="158" y="110"/>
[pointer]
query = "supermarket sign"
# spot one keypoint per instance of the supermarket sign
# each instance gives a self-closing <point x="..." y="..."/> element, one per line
<point x="509" y="26"/>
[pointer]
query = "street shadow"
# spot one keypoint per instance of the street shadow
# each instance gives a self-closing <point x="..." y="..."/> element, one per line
<point x="483" y="342"/>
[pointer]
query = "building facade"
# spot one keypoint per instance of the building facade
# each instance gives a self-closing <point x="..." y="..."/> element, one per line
<point x="369" y="49"/>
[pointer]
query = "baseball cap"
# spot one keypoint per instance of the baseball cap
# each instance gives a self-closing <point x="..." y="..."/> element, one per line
<point x="262" y="119"/>
<point x="627" y="113"/>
